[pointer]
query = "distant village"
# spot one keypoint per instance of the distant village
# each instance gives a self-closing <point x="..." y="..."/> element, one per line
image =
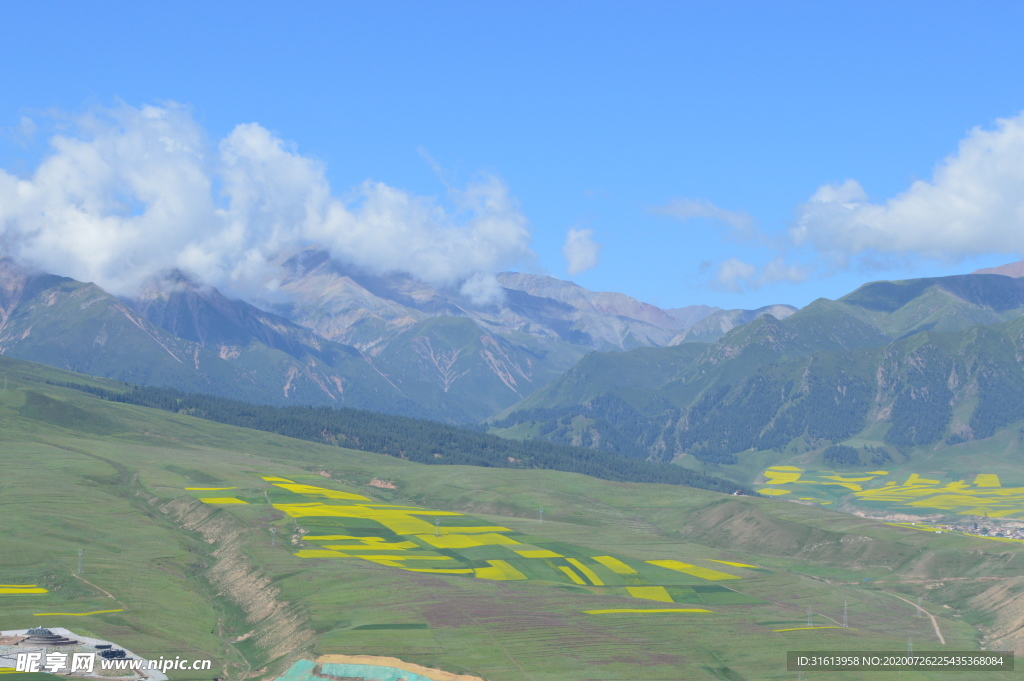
<point x="989" y="527"/>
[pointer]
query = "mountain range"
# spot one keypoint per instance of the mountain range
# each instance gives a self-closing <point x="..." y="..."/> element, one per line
<point x="345" y="337"/>
<point x="905" y="364"/>
<point x="890" y="367"/>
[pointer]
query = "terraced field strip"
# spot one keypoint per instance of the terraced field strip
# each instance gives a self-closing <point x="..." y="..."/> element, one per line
<point x="587" y="572"/>
<point x="650" y="593"/>
<point x="615" y="565"/>
<point x="649" y="611"/>
<point x="77" y="614"/>
<point x="22" y="589"/>
<point x="571" y="574"/>
<point x="693" y="570"/>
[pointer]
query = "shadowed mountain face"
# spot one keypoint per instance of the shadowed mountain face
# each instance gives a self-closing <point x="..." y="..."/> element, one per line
<point x="203" y="315"/>
<point x="908" y="357"/>
<point x="185" y="336"/>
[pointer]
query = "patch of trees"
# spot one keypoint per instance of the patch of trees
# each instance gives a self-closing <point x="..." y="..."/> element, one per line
<point x="842" y="455"/>
<point x="879" y="456"/>
<point x="845" y="455"/>
<point x="418" y="440"/>
<point x="921" y="410"/>
<point x="1000" y="401"/>
<point x="725" y="421"/>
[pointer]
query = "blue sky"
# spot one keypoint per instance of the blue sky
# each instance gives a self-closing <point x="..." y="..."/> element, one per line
<point x="687" y="138"/>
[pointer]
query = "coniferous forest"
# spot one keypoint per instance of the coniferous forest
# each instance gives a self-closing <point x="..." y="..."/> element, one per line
<point x="418" y="440"/>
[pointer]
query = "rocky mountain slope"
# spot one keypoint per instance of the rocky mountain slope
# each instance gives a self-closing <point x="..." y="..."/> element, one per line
<point x="345" y="337"/>
<point x="353" y="306"/>
<point x="1013" y="269"/>
<point x="182" y="335"/>
<point x="718" y="323"/>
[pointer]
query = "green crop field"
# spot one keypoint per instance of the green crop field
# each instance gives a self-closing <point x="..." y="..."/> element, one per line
<point x="301" y="550"/>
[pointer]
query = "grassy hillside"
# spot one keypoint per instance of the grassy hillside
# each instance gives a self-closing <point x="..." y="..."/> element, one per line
<point x="187" y="573"/>
<point x="901" y="363"/>
<point x="418" y="440"/>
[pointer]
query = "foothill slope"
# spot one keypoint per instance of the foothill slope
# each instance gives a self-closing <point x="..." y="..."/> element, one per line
<point x="195" y="533"/>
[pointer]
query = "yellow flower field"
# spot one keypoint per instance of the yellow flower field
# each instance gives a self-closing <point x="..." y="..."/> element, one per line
<point x="22" y="589"/>
<point x="417" y="539"/>
<point x="984" y="495"/>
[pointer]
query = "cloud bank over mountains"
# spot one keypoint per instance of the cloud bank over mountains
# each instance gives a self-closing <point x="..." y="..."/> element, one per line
<point x="131" y="192"/>
<point x="973" y="205"/>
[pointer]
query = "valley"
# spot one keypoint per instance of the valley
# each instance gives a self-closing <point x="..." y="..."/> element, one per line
<point x="511" y="341"/>
<point x="175" y="514"/>
<point x="867" y="449"/>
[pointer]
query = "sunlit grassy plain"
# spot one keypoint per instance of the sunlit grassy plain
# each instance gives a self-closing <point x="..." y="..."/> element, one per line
<point x="199" y="581"/>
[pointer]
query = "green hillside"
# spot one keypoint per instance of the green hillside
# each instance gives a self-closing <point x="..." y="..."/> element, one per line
<point x="900" y="364"/>
<point x="450" y="567"/>
<point x="418" y="440"/>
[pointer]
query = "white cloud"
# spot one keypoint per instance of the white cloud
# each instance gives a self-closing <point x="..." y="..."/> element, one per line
<point x="580" y="250"/>
<point x="134" y="192"/>
<point x="973" y="204"/>
<point x="742" y="224"/>
<point x="778" y="270"/>
<point x="483" y="288"/>
<point x="734" y="275"/>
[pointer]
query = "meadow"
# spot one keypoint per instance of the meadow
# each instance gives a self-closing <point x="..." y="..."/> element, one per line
<point x="256" y="550"/>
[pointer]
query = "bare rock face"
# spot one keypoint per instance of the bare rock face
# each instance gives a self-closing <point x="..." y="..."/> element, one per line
<point x="1013" y="269"/>
<point x="718" y="323"/>
<point x="367" y="310"/>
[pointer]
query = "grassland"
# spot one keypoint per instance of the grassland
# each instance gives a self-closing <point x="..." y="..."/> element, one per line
<point x="201" y="580"/>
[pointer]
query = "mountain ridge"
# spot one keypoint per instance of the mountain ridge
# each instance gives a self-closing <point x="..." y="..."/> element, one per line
<point x="908" y="361"/>
<point x="415" y="349"/>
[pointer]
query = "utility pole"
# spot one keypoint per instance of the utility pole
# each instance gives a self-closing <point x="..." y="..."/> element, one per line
<point x="542" y="514"/>
<point x="273" y="536"/>
<point x="80" y="552"/>
<point x="846" y="622"/>
<point x="437" y="527"/>
<point x="809" y="616"/>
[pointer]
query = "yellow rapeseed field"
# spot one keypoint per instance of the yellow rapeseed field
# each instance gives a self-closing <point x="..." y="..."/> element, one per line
<point x="984" y="496"/>
<point x="422" y="533"/>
